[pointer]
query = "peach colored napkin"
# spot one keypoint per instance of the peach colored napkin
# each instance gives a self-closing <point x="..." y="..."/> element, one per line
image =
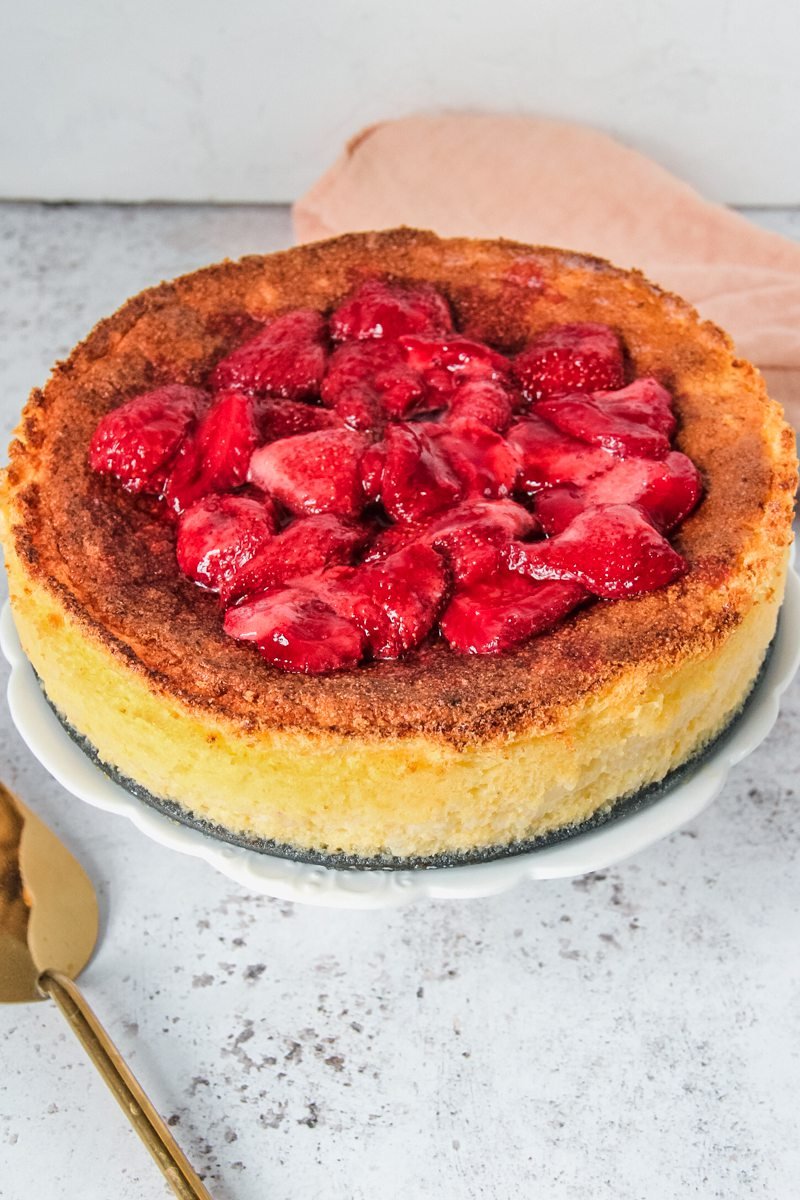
<point x="558" y="184"/>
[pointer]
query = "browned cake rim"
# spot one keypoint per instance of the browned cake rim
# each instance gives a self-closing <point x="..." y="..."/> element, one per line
<point x="109" y="561"/>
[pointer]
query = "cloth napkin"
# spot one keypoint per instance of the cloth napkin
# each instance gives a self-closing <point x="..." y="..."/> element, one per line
<point x="559" y="184"/>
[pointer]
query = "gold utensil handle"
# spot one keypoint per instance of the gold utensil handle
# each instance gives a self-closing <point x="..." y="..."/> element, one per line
<point x="140" y="1112"/>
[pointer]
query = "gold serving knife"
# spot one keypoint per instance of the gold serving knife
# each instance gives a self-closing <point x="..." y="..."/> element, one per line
<point x="48" y="930"/>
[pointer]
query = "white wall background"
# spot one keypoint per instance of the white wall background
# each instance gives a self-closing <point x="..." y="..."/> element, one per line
<point x="251" y="99"/>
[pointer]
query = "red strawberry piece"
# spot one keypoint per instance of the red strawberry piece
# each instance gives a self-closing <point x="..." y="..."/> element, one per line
<point x="488" y="400"/>
<point x="371" y="471"/>
<point x="314" y="472"/>
<point x="284" y="418"/>
<point x="137" y="441"/>
<point x="644" y="402"/>
<point x="570" y="358"/>
<point x="667" y="491"/>
<point x="470" y="535"/>
<point x="548" y="457"/>
<point x="592" y="420"/>
<point x="395" y="601"/>
<point x="416" y="478"/>
<point x="379" y="309"/>
<point x="302" y="548"/>
<point x="484" y="461"/>
<point x="498" y="613"/>
<point x="217" y="456"/>
<point x="461" y="357"/>
<point x="367" y="380"/>
<point x="287" y="358"/>
<point x="613" y="551"/>
<point x="557" y="507"/>
<point x="220" y="533"/>
<point x="296" y="630"/>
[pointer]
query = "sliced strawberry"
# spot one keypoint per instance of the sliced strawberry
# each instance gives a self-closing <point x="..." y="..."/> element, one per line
<point x="592" y="420"/>
<point x="570" y="358"/>
<point x="217" y="455"/>
<point x="645" y="402"/>
<point x="462" y="358"/>
<point x="498" y="613"/>
<point x="296" y="630"/>
<point x="485" y="463"/>
<point x="371" y="470"/>
<point x="380" y="309"/>
<point x="488" y="400"/>
<point x="137" y="441"/>
<point x="470" y="535"/>
<point x="613" y="551"/>
<point x="548" y="457"/>
<point x="667" y="491"/>
<point x="302" y="548"/>
<point x="284" y="418"/>
<point x="220" y="533"/>
<point x="287" y="358"/>
<point x="366" y="381"/>
<point x="314" y="472"/>
<point x="395" y="601"/>
<point x="557" y="507"/>
<point x="410" y="474"/>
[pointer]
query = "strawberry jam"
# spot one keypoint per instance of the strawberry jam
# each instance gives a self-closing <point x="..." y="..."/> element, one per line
<point x="355" y="485"/>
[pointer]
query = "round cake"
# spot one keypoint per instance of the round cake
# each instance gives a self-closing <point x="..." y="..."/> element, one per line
<point x="394" y="550"/>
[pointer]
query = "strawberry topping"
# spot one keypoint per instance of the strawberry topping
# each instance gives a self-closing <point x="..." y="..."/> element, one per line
<point x="314" y="472"/>
<point x="395" y="601"/>
<point x="667" y="491"/>
<point x="302" y="548"/>
<point x="484" y="462"/>
<point x="217" y="455"/>
<point x="570" y="358"/>
<point x="498" y="613"/>
<point x="445" y="362"/>
<point x="488" y="400"/>
<point x="547" y="456"/>
<point x="284" y="418"/>
<point x="613" y="551"/>
<point x="287" y="358"/>
<point x="587" y="419"/>
<point x="296" y="630"/>
<point x="220" y="533"/>
<point x="368" y="381"/>
<point x="410" y="474"/>
<point x="645" y="402"/>
<point x="470" y="536"/>
<point x="350" y="504"/>
<point x="379" y="309"/>
<point x="137" y="441"/>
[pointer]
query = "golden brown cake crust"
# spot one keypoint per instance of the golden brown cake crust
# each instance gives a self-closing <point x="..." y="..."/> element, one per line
<point x="110" y="559"/>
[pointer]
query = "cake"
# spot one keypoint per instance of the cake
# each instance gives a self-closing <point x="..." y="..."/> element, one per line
<point x="432" y="550"/>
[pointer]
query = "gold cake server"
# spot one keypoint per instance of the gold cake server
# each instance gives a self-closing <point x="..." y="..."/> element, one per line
<point x="48" y="929"/>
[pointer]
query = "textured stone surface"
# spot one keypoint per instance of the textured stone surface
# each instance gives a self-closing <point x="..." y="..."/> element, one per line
<point x="629" y="1035"/>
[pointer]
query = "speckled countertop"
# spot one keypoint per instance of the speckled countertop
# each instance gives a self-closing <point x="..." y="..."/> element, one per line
<point x="632" y="1035"/>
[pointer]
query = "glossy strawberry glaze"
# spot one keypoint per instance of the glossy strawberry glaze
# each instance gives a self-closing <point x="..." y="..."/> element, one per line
<point x="355" y="486"/>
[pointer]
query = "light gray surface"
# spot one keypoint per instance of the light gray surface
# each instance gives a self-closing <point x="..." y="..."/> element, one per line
<point x="631" y="1035"/>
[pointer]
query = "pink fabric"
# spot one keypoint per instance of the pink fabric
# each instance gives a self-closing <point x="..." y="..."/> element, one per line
<point x="558" y="184"/>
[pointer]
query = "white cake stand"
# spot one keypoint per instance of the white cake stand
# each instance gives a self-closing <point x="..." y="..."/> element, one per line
<point x="592" y="850"/>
